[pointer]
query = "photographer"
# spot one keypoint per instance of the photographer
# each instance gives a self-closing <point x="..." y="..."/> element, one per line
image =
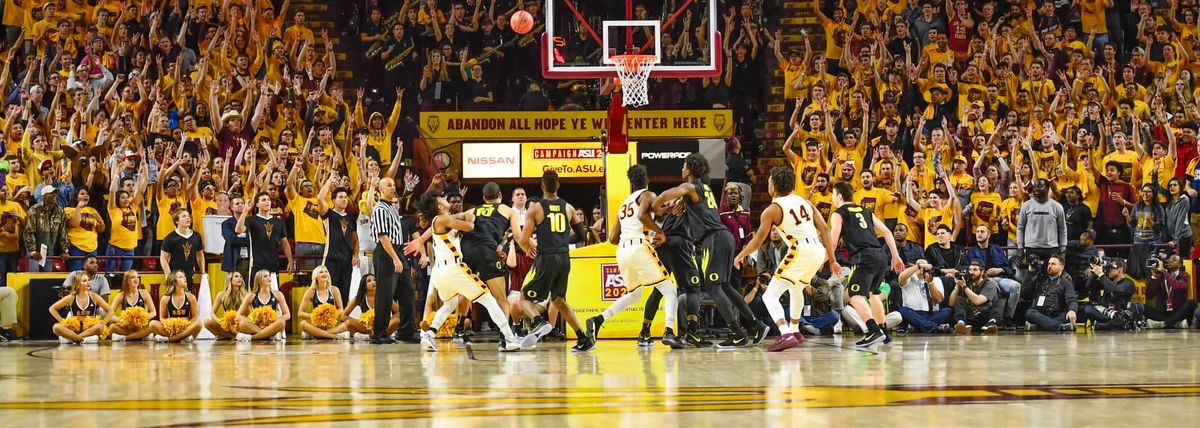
<point x="1041" y="224"/>
<point x="922" y="294"/>
<point x="1054" y="302"/>
<point x="1111" y="292"/>
<point x="997" y="267"/>
<point x="974" y="301"/>
<point x="1168" y="289"/>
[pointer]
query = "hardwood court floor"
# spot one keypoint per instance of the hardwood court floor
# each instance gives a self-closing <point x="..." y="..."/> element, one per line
<point x="1111" y="379"/>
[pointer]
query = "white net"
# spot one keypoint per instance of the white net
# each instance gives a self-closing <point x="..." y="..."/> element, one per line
<point x="634" y="70"/>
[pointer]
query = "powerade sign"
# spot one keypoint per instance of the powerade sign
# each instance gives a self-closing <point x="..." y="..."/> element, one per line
<point x="665" y="158"/>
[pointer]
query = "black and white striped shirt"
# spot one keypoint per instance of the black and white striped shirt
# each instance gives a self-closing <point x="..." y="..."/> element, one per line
<point x="385" y="220"/>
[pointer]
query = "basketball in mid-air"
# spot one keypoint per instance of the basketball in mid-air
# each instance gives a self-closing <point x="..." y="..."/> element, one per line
<point x="521" y="22"/>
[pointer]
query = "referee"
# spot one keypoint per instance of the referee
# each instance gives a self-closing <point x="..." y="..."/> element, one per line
<point x="392" y="279"/>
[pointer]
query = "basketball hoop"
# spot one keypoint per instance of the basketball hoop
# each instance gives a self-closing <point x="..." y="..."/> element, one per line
<point x="633" y="71"/>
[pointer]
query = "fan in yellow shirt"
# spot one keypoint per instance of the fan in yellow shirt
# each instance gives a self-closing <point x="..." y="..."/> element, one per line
<point x="942" y="209"/>
<point x="84" y="226"/>
<point x="307" y="215"/>
<point x="806" y="167"/>
<point x="985" y="206"/>
<point x="379" y="133"/>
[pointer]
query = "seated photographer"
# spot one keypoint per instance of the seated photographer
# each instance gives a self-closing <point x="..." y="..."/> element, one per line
<point x="997" y="267"/>
<point x="1109" y="309"/>
<point x="1168" y="290"/>
<point x="947" y="257"/>
<point x="921" y="295"/>
<point x="1054" y="302"/>
<point x="974" y="301"/>
<point x="825" y="305"/>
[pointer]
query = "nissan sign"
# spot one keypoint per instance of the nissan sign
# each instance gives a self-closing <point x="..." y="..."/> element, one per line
<point x="491" y="160"/>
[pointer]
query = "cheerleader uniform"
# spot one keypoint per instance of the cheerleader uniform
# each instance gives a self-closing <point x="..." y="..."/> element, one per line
<point x="77" y="311"/>
<point x="174" y="311"/>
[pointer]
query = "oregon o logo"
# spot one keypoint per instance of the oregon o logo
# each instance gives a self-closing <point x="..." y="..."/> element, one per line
<point x="714" y="277"/>
<point x="531" y="293"/>
<point x="854" y="288"/>
<point x="695" y="280"/>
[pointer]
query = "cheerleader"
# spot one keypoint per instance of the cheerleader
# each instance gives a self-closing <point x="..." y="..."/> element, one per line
<point x="228" y="301"/>
<point x="131" y="295"/>
<point x="83" y="303"/>
<point x="364" y="301"/>
<point x="321" y="292"/>
<point x="177" y="302"/>
<point x="262" y="295"/>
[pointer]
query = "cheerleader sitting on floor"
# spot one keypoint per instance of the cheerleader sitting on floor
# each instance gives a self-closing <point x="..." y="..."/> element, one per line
<point x="262" y="296"/>
<point x="322" y="323"/>
<point x="365" y="301"/>
<point x="83" y="304"/>
<point x="132" y="295"/>
<point x="180" y="319"/>
<point x="224" y="325"/>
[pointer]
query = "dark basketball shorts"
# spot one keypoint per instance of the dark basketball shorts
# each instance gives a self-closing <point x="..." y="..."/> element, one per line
<point x="484" y="261"/>
<point x="678" y="257"/>
<point x="714" y="256"/>
<point x="547" y="278"/>
<point x="866" y="275"/>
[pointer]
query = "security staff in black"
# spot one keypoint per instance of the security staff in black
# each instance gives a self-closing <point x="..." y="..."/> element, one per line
<point x="547" y="279"/>
<point x="857" y="229"/>
<point x="714" y="251"/>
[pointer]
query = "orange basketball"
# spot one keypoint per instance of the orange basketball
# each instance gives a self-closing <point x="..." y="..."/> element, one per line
<point x="521" y="22"/>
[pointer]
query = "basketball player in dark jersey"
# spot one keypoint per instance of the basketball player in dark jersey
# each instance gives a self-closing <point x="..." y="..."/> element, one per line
<point x="857" y="229"/>
<point x="678" y="256"/>
<point x="552" y="219"/>
<point x="715" y="248"/>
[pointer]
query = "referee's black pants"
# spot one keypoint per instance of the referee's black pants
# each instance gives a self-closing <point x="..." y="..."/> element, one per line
<point x="389" y="286"/>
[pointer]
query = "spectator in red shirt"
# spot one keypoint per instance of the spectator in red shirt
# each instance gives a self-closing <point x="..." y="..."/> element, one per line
<point x="736" y="219"/>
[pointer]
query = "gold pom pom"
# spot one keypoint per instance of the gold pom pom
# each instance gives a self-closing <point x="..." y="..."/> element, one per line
<point x="229" y="321"/>
<point x="105" y="333"/>
<point x="135" y="318"/>
<point x="88" y="322"/>
<point x="175" y="326"/>
<point x="325" y="316"/>
<point x="263" y="316"/>
<point x="368" y="321"/>
<point x="73" y="323"/>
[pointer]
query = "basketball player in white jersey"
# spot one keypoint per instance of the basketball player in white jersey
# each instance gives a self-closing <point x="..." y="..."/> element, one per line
<point x="636" y="234"/>
<point x="451" y="276"/>
<point x="809" y="246"/>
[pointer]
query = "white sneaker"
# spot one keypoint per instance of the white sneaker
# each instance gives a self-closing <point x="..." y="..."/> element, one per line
<point x="510" y="344"/>
<point x="428" y="341"/>
<point x="345" y="335"/>
<point x="837" y="328"/>
<point x="1182" y="324"/>
<point x="305" y="336"/>
<point x="161" y="339"/>
<point x="91" y="339"/>
<point x="118" y="337"/>
<point x="361" y="337"/>
<point x="189" y="339"/>
<point x="278" y="337"/>
<point x="1155" y="324"/>
<point x="64" y="341"/>
<point x="243" y="337"/>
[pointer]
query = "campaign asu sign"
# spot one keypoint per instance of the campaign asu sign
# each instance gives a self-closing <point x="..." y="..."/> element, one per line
<point x="568" y="159"/>
<point x="491" y="160"/>
<point x="613" y="284"/>
<point x="570" y="125"/>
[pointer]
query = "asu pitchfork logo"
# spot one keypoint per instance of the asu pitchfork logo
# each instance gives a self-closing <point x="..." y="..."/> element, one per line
<point x="343" y="404"/>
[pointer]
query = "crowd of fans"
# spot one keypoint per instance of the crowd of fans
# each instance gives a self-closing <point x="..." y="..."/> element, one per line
<point x="1048" y="126"/>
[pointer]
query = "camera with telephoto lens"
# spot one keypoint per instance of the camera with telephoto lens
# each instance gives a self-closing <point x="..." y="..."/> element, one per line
<point x="1037" y="265"/>
<point x="1157" y="260"/>
<point x="960" y="275"/>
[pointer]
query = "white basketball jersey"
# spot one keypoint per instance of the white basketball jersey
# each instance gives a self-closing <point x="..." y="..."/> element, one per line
<point x="447" y="247"/>
<point x="797" y="218"/>
<point x="629" y="214"/>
